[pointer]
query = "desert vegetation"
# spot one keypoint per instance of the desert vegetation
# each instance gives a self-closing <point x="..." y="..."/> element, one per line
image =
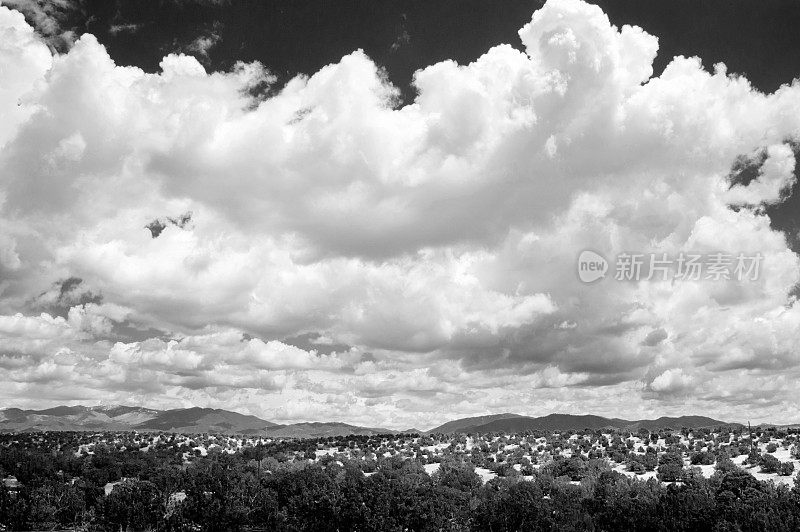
<point x="700" y="479"/>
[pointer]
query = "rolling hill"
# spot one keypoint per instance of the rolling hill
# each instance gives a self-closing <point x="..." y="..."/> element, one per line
<point x="677" y="422"/>
<point x="214" y="420"/>
<point x="116" y="417"/>
<point x="184" y="420"/>
<point x="321" y="430"/>
<point x="74" y="418"/>
<point x="204" y="420"/>
<point x="464" y="424"/>
<point x="515" y="423"/>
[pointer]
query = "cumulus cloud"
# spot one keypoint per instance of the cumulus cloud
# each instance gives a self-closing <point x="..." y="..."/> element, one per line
<point x="671" y="381"/>
<point x="50" y="18"/>
<point x="775" y="176"/>
<point x="43" y="13"/>
<point x="432" y="246"/>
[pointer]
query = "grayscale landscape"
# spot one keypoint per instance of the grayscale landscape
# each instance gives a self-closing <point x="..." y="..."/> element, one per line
<point x="399" y="265"/>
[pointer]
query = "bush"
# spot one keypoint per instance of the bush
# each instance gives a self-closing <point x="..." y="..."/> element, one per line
<point x="725" y="464"/>
<point x="131" y="504"/>
<point x="753" y="458"/>
<point x="769" y="464"/>
<point x="635" y="466"/>
<point x="574" y="467"/>
<point x="702" y="458"/>
<point x="457" y="475"/>
<point x="670" y="467"/>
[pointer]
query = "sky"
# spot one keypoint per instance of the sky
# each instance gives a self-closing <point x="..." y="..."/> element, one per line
<point x="383" y="226"/>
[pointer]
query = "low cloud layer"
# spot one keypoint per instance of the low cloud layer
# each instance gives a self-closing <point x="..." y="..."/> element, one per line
<point x="433" y="244"/>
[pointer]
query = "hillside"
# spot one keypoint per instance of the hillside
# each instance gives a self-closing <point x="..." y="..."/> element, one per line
<point x="321" y="430"/>
<point x="214" y="420"/>
<point x="464" y="424"/>
<point x="181" y="420"/>
<point x="203" y="420"/>
<point x="677" y="423"/>
<point x="116" y="417"/>
<point x="511" y="423"/>
<point x="74" y="418"/>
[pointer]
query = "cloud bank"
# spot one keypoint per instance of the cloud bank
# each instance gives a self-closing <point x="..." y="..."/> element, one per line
<point x="426" y="253"/>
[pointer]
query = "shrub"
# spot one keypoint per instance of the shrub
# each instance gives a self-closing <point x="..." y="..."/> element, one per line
<point x="634" y="466"/>
<point x="769" y="464"/>
<point x="575" y="467"/>
<point x="670" y="467"/>
<point x="702" y="458"/>
<point x="725" y="464"/>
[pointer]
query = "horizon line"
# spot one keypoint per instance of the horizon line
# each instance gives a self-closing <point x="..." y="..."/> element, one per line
<point x="406" y="429"/>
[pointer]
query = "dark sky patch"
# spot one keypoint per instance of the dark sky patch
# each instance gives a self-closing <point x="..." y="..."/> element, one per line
<point x="784" y="215"/>
<point x="65" y="294"/>
<point x="746" y="168"/>
<point x="157" y="226"/>
<point x="309" y="342"/>
<point x="130" y="331"/>
<point x="758" y="40"/>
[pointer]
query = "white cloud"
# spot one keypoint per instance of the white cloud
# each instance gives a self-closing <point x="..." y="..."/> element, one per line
<point x="671" y="381"/>
<point x="775" y="176"/>
<point x="31" y="327"/>
<point x="203" y="44"/>
<point x="26" y="60"/>
<point x="45" y="14"/>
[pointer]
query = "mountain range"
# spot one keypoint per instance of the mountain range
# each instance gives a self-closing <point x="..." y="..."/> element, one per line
<point x="515" y="423"/>
<point x="213" y="420"/>
<point x="185" y="420"/>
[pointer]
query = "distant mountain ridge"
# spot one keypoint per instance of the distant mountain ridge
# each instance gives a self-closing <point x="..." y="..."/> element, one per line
<point x="515" y="423"/>
<point x="214" y="420"/>
<point x="459" y="425"/>
<point x="321" y="430"/>
<point x="185" y="420"/>
<point x="203" y="420"/>
<point x="77" y="418"/>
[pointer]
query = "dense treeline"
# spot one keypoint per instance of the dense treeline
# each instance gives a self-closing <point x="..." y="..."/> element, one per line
<point x="252" y="490"/>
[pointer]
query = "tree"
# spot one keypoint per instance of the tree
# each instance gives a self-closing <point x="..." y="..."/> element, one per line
<point x="771" y="447"/>
<point x="619" y="503"/>
<point x="55" y="504"/>
<point x="739" y="483"/>
<point x="457" y="475"/>
<point x="132" y="504"/>
<point x="14" y="509"/>
<point x="635" y="466"/>
<point x="509" y="505"/>
<point x="574" y="467"/>
<point x="701" y="458"/>
<point x="769" y="464"/>
<point x="670" y="467"/>
<point x="725" y="464"/>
